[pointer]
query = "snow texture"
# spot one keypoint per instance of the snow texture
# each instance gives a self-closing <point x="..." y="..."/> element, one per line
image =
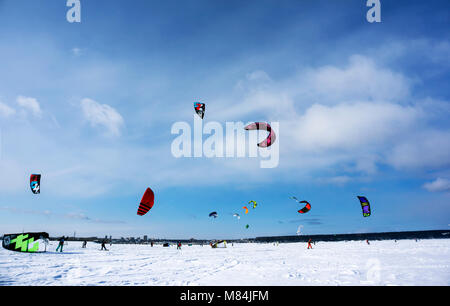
<point x="405" y="262"/>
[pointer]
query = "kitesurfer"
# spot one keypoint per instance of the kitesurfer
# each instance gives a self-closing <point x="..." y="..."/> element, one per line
<point x="61" y="244"/>
<point x="309" y="244"/>
<point x="179" y="246"/>
<point x="151" y="243"/>
<point x="84" y="244"/>
<point x="367" y="241"/>
<point x="103" y="246"/>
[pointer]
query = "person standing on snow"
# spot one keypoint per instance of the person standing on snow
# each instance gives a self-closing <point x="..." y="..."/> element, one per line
<point x="104" y="246"/>
<point x="61" y="244"/>
<point x="309" y="244"/>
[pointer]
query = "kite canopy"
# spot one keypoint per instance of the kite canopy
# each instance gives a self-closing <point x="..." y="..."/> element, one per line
<point x="263" y="126"/>
<point x="365" y="206"/>
<point x="219" y="244"/>
<point x="199" y="109"/>
<point x="247" y="226"/>
<point x="254" y="204"/>
<point x="245" y="208"/>
<point x="213" y="214"/>
<point x="147" y="202"/>
<point x="26" y="242"/>
<point x="237" y="216"/>
<point x="304" y="209"/>
<point x="35" y="183"/>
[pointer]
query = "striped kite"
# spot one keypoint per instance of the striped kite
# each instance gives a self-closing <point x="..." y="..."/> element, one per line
<point x="148" y="199"/>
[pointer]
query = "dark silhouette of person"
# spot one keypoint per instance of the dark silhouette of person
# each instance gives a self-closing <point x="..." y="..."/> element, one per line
<point x="104" y="246"/>
<point x="60" y="244"/>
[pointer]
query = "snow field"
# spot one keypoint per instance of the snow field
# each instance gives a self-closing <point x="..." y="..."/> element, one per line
<point x="405" y="262"/>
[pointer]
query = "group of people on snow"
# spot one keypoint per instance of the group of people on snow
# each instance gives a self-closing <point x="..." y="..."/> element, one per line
<point x="61" y="244"/>
<point x="62" y="239"/>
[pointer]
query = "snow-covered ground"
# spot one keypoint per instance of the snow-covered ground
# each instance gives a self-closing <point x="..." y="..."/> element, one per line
<point x="405" y="262"/>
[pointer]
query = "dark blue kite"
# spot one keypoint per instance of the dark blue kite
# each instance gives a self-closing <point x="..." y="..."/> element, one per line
<point x="365" y="206"/>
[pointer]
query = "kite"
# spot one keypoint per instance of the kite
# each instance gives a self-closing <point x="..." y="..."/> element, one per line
<point x="304" y="209"/>
<point x="246" y="209"/>
<point x="237" y="216"/>
<point x="254" y="204"/>
<point x="26" y="242"/>
<point x="213" y="214"/>
<point x="247" y="226"/>
<point x="199" y="109"/>
<point x="35" y="183"/>
<point x="148" y="199"/>
<point x="219" y="244"/>
<point x="365" y="206"/>
<point x="263" y="126"/>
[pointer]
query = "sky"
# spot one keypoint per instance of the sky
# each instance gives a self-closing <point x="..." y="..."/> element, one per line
<point x="361" y="109"/>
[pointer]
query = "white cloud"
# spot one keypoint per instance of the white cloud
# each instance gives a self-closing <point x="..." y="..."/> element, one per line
<point x="6" y="111"/>
<point x="427" y="148"/>
<point x="102" y="114"/>
<point x="30" y="104"/>
<point x="368" y="134"/>
<point x="349" y="118"/>
<point x="440" y="184"/>
<point x="361" y="80"/>
<point x="348" y="126"/>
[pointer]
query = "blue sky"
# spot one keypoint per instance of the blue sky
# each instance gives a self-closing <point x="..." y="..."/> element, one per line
<point x="362" y="108"/>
